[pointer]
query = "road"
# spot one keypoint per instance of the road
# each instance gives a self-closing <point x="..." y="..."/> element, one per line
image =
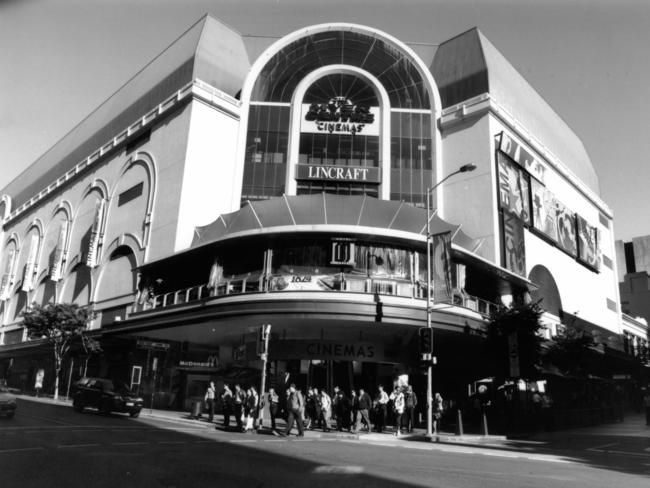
<point x="52" y="446"/>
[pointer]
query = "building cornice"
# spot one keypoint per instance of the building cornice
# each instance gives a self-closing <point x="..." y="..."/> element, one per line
<point x="485" y="103"/>
<point x="195" y="90"/>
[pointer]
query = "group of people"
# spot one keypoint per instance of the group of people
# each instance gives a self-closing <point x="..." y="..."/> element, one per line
<point x="317" y="409"/>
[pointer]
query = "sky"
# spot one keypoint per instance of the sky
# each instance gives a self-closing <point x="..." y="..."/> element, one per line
<point x="60" y="59"/>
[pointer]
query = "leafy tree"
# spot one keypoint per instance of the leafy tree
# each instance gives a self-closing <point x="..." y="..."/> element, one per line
<point x="59" y="324"/>
<point x="569" y="349"/>
<point x="91" y="346"/>
<point x="514" y="331"/>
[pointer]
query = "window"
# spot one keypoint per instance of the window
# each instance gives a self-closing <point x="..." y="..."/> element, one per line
<point x="131" y="194"/>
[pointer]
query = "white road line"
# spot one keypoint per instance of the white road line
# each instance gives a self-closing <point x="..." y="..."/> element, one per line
<point x="338" y="470"/>
<point x="22" y="449"/>
<point x="130" y="443"/>
<point x="598" y="448"/>
<point x="242" y="440"/>
<point x="76" y="445"/>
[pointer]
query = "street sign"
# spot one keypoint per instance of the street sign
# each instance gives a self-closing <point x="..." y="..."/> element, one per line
<point x="151" y="345"/>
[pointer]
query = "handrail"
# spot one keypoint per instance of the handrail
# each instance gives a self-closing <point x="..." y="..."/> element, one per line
<point x="379" y="286"/>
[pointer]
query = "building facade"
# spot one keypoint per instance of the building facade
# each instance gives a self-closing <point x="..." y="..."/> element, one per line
<point x="221" y="189"/>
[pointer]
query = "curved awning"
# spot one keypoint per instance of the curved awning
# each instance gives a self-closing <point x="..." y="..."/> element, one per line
<point x="327" y="213"/>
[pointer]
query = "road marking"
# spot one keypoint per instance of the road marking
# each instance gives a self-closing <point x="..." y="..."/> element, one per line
<point x="598" y="448"/>
<point x="129" y="443"/>
<point x="75" y="445"/>
<point x="627" y="453"/>
<point x="22" y="449"/>
<point x="338" y="470"/>
<point x="243" y="440"/>
<point x="172" y="442"/>
<point x="275" y="440"/>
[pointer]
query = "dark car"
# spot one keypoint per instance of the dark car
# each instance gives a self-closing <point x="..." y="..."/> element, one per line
<point x="8" y="403"/>
<point x="107" y="396"/>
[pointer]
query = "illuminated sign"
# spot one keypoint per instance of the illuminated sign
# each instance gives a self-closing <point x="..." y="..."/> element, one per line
<point x="339" y="116"/>
<point x="359" y="174"/>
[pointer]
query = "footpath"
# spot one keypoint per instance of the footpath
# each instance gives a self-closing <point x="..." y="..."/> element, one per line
<point x="633" y="426"/>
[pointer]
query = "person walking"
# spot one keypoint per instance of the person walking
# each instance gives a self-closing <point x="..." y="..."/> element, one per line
<point x="646" y="404"/>
<point x="397" y="396"/>
<point x="252" y="409"/>
<point x="210" y="394"/>
<point x="325" y="403"/>
<point x="295" y="406"/>
<point x="411" y="401"/>
<point x="354" y="409"/>
<point x="274" y="401"/>
<point x="437" y="412"/>
<point x="226" y="402"/>
<point x="239" y="399"/>
<point x="380" y="404"/>
<point x="317" y="423"/>
<point x="365" y="403"/>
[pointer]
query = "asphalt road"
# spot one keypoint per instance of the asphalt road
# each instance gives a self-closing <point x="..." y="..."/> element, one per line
<point x="52" y="446"/>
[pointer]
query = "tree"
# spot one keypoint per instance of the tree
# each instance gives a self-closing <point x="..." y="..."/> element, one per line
<point x="513" y="341"/>
<point x="59" y="324"/>
<point x="569" y="349"/>
<point x="91" y="346"/>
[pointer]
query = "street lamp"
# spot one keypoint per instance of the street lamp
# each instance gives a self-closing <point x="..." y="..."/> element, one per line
<point x="466" y="168"/>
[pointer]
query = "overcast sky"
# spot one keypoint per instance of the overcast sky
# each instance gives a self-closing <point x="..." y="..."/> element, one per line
<point x="59" y="59"/>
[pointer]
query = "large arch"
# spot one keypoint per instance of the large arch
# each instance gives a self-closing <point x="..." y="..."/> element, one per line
<point x="547" y="290"/>
<point x="54" y="243"/>
<point x="77" y="286"/>
<point x="82" y="225"/>
<point x="45" y="291"/>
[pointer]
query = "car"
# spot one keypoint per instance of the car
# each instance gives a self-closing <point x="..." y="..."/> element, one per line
<point x="8" y="404"/>
<point x="105" y="395"/>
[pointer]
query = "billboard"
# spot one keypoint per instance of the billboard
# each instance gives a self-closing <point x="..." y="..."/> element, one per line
<point x="513" y="188"/>
<point x="514" y="249"/>
<point x="587" y="243"/>
<point x="544" y="214"/>
<point x="566" y="229"/>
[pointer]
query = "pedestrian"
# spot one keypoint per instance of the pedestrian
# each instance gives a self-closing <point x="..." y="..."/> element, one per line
<point x="295" y="406"/>
<point x="210" y="394"/>
<point x="335" y="406"/>
<point x="411" y="401"/>
<point x="239" y="399"/>
<point x="380" y="406"/>
<point x="365" y="403"/>
<point x="437" y="411"/>
<point x="317" y="423"/>
<point x="646" y="404"/>
<point x="274" y="400"/>
<point x="342" y="411"/>
<point x="397" y="396"/>
<point x="354" y="409"/>
<point x="325" y="403"/>
<point x="226" y="402"/>
<point x="310" y="408"/>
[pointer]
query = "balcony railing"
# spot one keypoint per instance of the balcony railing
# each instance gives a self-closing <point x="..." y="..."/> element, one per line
<point x="386" y="287"/>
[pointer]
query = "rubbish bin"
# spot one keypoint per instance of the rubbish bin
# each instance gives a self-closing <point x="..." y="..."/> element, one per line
<point x="197" y="408"/>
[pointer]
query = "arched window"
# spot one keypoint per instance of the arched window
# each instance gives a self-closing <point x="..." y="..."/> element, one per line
<point x="118" y="276"/>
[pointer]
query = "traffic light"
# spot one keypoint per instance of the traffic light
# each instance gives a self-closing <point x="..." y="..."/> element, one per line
<point x="426" y="340"/>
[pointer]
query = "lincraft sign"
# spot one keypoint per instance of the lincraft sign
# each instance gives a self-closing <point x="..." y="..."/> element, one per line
<point x="339" y="116"/>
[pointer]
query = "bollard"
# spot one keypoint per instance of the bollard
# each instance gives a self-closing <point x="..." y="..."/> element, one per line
<point x="459" y="422"/>
<point x="484" y="424"/>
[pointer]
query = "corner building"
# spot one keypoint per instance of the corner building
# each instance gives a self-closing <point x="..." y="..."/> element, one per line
<point x="225" y="187"/>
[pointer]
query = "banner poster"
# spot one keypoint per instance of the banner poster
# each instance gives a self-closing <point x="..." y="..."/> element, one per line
<point x="57" y="258"/>
<point x="544" y="210"/>
<point x="514" y="248"/>
<point x="587" y="243"/>
<point x="441" y="267"/>
<point x="566" y="228"/>
<point x="513" y="189"/>
<point x="216" y="275"/>
<point x="6" y="276"/>
<point x="30" y="266"/>
<point x="522" y="157"/>
<point x="94" y="234"/>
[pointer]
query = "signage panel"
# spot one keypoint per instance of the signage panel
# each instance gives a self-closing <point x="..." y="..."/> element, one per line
<point x="339" y="116"/>
<point x="360" y="174"/>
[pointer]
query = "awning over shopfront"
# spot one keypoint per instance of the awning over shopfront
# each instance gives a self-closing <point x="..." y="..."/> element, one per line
<point x="326" y="212"/>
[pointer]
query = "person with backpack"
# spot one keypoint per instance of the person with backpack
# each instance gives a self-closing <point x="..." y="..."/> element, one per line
<point x="295" y="407"/>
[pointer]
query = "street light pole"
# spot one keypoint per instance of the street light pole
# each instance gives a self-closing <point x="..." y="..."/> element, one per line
<point x="463" y="169"/>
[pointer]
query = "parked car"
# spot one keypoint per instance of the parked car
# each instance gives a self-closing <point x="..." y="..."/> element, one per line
<point x="8" y="404"/>
<point x="105" y="395"/>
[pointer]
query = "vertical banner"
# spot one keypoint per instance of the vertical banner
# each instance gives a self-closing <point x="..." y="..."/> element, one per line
<point x="514" y="249"/>
<point x="441" y="267"/>
<point x="91" y="258"/>
<point x="513" y="189"/>
<point x="30" y="266"/>
<point x="7" y="275"/>
<point x="57" y="259"/>
<point x="216" y="275"/>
